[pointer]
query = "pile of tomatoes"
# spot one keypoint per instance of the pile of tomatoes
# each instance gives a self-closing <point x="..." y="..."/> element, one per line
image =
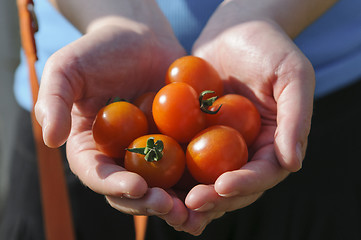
<point x="187" y="127"/>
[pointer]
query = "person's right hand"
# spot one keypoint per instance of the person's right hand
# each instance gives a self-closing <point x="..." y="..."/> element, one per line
<point x="117" y="56"/>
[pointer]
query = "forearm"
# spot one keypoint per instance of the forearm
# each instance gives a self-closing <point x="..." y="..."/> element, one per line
<point x="292" y="15"/>
<point x="87" y="15"/>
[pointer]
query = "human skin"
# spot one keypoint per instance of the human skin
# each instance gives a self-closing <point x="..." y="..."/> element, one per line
<point x="120" y="54"/>
<point x="248" y="42"/>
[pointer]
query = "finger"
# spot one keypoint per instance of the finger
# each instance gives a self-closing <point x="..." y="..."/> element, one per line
<point x="201" y="198"/>
<point x="258" y="175"/>
<point x="54" y="104"/>
<point x="155" y="202"/>
<point x="294" y="112"/>
<point x="177" y="215"/>
<point x="261" y="173"/>
<point x="204" y="198"/>
<point x="101" y="174"/>
<point x="198" y="221"/>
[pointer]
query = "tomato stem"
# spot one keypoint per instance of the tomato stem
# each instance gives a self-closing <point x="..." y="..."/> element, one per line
<point x="206" y="103"/>
<point x="116" y="99"/>
<point x="153" y="151"/>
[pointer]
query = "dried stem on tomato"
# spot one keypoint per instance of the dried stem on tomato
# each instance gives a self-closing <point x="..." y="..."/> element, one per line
<point x="206" y="103"/>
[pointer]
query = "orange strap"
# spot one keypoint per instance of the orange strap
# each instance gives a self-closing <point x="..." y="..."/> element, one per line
<point x="55" y="200"/>
<point x="140" y="223"/>
<point x="58" y="222"/>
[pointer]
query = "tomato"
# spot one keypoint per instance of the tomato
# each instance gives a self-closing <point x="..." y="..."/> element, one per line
<point x="196" y="72"/>
<point x="215" y="150"/>
<point x="239" y="113"/>
<point x="176" y="112"/>
<point x="116" y="126"/>
<point x="144" y="103"/>
<point x="163" y="172"/>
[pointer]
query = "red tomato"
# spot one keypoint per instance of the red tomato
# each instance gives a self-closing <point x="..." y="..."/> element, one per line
<point x="144" y="103"/>
<point x="116" y="126"/>
<point x="196" y="72"/>
<point x="239" y="113"/>
<point x="176" y="112"/>
<point x="164" y="172"/>
<point x="215" y="150"/>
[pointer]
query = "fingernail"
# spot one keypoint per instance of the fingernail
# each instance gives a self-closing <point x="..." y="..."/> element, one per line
<point x="205" y="207"/>
<point x="44" y="126"/>
<point x="299" y="153"/>
<point x="128" y="195"/>
<point x="231" y="194"/>
<point x="154" y="212"/>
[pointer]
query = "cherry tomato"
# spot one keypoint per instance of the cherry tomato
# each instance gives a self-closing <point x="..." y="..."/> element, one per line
<point x="164" y="164"/>
<point x="215" y="150"/>
<point x="144" y="103"/>
<point x="176" y="112"/>
<point x="196" y="72"/>
<point x="239" y="113"/>
<point x="116" y="126"/>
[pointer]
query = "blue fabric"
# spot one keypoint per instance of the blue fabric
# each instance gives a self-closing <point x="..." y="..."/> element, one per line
<point x="188" y="17"/>
<point x="332" y="43"/>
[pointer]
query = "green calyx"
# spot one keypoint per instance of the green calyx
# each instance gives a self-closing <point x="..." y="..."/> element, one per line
<point x="153" y="152"/>
<point x="206" y="103"/>
<point x="116" y="99"/>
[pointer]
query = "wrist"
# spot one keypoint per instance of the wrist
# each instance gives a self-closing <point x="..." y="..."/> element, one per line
<point x="116" y="23"/>
<point x="292" y="16"/>
<point x="87" y="15"/>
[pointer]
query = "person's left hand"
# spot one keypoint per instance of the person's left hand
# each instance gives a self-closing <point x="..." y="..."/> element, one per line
<point x="256" y="59"/>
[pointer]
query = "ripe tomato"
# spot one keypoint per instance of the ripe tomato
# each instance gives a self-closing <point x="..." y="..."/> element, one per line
<point x="144" y="103"/>
<point x="116" y="126"/>
<point x="196" y="72"/>
<point x="176" y="112"/>
<point x="239" y="113"/>
<point x="164" y="172"/>
<point x="215" y="150"/>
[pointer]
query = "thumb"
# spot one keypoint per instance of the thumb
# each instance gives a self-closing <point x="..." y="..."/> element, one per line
<point x="53" y="107"/>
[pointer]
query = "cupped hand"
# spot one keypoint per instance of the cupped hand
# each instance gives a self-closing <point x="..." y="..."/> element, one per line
<point x="124" y="60"/>
<point x="257" y="59"/>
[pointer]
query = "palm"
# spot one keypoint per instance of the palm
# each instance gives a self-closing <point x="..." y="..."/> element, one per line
<point x="109" y="67"/>
<point x="120" y="70"/>
<point x="268" y="70"/>
<point x="80" y="78"/>
<point x="259" y="61"/>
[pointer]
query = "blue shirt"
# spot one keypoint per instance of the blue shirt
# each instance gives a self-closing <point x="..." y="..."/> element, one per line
<point x="332" y="43"/>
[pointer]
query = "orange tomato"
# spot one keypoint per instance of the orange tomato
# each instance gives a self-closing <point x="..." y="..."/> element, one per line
<point x="215" y="150"/>
<point x="239" y="113"/>
<point x="197" y="72"/>
<point x="144" y="103"/>
<point x="116" y="126"/>
<point x="164" y="163"/>
<point x="176" y="112"/>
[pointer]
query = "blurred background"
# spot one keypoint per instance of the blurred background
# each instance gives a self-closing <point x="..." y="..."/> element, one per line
<point x="9" y="59"/>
